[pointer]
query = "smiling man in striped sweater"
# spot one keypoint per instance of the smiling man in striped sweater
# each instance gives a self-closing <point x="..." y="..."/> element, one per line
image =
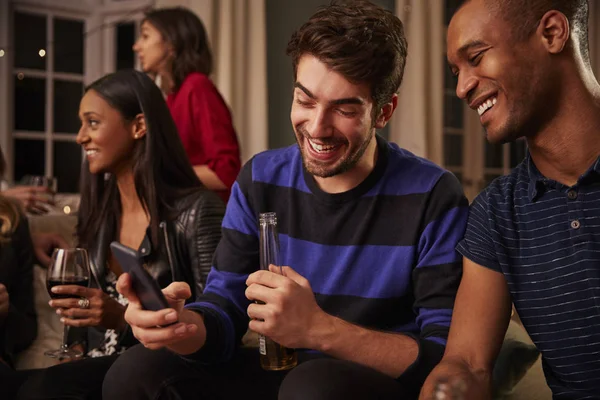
<point x="368" y="234"/>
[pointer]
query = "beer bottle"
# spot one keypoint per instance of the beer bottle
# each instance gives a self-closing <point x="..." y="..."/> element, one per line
<point x="273" y="356"/>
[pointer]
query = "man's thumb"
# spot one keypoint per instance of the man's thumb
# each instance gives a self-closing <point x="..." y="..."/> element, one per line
<point x="178" y="291"/>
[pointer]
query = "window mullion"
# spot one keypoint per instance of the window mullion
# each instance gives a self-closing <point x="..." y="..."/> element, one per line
<point x="49" y="95"/>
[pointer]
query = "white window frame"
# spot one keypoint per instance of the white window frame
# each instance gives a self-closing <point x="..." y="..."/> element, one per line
<point x="98" y="17"/>
<point x="49" y="136"/>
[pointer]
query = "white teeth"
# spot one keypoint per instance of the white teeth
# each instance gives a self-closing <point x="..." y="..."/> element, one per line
<point x="486" y="105"/>
<point x="91" y="152"/>
<point x="320" y="148"/>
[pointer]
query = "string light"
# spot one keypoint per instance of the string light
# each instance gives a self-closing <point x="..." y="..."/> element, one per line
<point x="50" y="45"/>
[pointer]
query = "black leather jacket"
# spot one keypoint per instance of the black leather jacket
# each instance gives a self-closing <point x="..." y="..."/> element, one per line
<point x="186" y="247"/>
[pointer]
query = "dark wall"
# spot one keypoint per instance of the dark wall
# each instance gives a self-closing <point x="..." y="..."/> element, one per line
<point x="283" y="18"/>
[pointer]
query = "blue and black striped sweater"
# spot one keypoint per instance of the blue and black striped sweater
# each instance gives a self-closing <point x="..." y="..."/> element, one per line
<point x="381" y="255"/>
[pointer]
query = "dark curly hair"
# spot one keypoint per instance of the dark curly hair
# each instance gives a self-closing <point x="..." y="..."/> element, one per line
<point x="358" y="39"/>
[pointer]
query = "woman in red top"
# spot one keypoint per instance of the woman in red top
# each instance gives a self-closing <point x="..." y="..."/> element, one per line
<point x="173" y="47"/>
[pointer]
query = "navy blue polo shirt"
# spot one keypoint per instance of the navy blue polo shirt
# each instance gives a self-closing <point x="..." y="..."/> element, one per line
<point x="545" y="238"/>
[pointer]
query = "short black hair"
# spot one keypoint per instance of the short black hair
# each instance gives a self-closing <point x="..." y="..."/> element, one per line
<point x="525" y="15"/>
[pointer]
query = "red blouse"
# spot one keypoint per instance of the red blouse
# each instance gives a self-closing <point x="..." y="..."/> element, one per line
<point x="206" y="129"/>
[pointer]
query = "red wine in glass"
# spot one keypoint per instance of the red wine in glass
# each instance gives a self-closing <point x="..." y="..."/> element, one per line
<point x="67" y="280"/>
<point x="68" y="267"/>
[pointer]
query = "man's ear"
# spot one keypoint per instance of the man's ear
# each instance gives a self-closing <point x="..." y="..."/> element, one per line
<point x="554" y="31"/>
<point x="138" y="128"/>
<point x="386" y="112"/>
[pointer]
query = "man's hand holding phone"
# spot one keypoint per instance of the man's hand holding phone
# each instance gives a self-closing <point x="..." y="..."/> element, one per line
<point x="180" y="330"/>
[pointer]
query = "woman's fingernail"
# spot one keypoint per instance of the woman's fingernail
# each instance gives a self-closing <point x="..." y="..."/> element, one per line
<point x="170" y="317"/>
<point x="191" y="327"/>
<point x="180" y="330"/>
<point x="58" y="311"/>
<point x="55" y="289"/>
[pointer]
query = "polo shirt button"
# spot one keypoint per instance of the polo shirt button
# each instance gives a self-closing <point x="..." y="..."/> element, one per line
<point x="572" y="194"/>
<point x="575" y="224"/>
<point x="143" y="250"/>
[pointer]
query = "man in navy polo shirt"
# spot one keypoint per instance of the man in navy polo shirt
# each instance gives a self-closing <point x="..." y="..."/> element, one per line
<point x="533" y="236"/>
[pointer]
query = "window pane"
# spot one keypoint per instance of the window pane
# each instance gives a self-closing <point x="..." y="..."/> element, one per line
<point x="453" y="112"/>
<point x="30" y="103"/>
<point x="66" y="106"/>
<point x="68" y="45"/>
<point x="67" y="163"/>
<point x="30" y="156"/>
<point x="493" y="155"/>
<point x="125" y="39"/>
<point x="518" y="150"/>
<point x="30" y="38"/>
<point x="453" y="150"/>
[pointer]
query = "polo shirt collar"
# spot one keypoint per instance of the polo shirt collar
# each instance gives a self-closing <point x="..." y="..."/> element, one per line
<point x="537" y="181"/>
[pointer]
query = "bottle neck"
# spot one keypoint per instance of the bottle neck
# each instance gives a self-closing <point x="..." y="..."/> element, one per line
<point x="269" y="240"/>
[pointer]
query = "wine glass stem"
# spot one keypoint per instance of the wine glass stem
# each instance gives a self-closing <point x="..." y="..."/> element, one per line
<point x="64" y="347"/>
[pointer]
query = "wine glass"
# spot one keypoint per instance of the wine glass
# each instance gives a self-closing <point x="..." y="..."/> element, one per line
<point x="68" y="267"/>
<point x="49" y="182"/>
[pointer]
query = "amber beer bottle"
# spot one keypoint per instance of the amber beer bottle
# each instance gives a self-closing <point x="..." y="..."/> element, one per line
<point x="273" y="356"/>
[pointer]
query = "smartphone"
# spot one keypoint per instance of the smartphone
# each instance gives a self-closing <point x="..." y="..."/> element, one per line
<point x="144" y="286"/>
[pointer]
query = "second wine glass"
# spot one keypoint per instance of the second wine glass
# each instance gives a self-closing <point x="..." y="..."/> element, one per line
<point x="68" y="267"/>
